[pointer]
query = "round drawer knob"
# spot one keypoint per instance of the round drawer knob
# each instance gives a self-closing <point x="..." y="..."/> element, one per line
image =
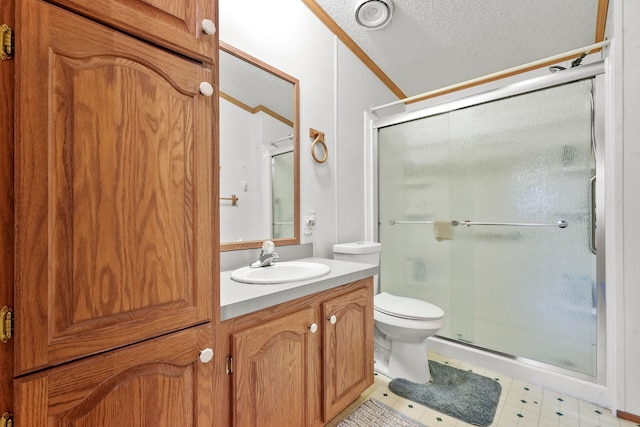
<point x="313" y="328"/>
<point x="206" y="355"/>
<point x="208" y="27"/>
<point x="333" y="319"/>
<point x="206" y="89"/>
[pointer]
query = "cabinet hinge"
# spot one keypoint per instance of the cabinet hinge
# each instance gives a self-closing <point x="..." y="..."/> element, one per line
<point x="6" y="41"/>
<point x="6" y="420"/>
<point x="6" y="324"/>
<point x="229" y="365"/>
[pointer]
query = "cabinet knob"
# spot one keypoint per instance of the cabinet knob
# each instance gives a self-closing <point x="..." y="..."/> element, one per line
<point x="333" y="319"/>
<point x="313" y="328"/>
<point x="206" y="89"/>
<point x="208" y="27"/>
<point x="206" y="355"/>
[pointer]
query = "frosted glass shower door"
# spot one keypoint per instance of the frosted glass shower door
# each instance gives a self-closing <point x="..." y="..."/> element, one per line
<point x="282" y="203"/>
<point x="522" y="290"/>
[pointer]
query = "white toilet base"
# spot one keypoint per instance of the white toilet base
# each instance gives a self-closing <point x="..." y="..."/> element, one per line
<point x="409" y="361"/>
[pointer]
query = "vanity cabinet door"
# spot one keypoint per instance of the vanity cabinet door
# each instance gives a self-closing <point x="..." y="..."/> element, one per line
<point x="157" y="383"/>
<point x="174" y="24"/>
<point x="274" y="372"/>
<point x="113" y="190"/>
<point x="348" y="348"/>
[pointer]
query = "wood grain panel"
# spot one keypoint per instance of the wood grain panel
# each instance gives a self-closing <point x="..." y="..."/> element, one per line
<point x="182" y="10"/>
<point x="114" y="205"/>
<point x="121" y="175"/>
<point x="6" y="207"/>
<point x="272" y="385"/>
<point x="348" y="349"/>
<point x="155" y="383"/>
<point x="228" y="329"/>
<point x="175" y="24"/>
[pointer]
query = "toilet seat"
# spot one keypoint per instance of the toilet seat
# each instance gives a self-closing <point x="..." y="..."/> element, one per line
<point x="406" y="308"/>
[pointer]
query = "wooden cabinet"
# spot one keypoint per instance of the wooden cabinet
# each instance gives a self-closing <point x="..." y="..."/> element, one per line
<point x="7" y="68"/>
<point x="156" y="383"/>
<point x="173" y="24"/>
<point x="348" y="349"/>
<point x="284" y="373"/>
<point x="274" y="366"/>
<point x="110" y="214"/>
<point x="113" y="190"/>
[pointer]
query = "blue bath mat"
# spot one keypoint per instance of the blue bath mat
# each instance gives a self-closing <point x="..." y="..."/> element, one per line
<point x="464" y="395"/>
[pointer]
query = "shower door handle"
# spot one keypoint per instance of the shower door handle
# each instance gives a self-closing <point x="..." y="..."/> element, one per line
<point x="592" y="240"/>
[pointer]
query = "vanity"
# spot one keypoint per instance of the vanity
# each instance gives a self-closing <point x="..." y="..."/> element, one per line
<point x="298" y="353"/>
<point x="294" y="353"/>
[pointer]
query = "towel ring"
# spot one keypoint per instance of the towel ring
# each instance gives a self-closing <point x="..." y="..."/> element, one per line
<point x="324" y="148"/>
<point x="319" y="139"/>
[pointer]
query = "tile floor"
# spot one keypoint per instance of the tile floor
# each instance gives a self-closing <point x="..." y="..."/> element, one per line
<point x="520" y="404"/>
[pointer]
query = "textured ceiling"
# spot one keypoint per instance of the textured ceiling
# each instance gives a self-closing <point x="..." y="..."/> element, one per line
<point x="431" y="44"/>
<point x="255" y="87"/>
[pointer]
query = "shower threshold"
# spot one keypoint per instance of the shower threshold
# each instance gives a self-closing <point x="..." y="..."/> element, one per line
<point x="474" y="348"/>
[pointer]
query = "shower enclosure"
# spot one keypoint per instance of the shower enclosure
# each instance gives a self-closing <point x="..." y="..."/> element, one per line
<point x="487" y="208"/>
<point x="282" y="203"/>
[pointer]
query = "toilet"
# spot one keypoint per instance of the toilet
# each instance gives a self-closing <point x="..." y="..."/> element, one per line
<point x="402" y="325"/>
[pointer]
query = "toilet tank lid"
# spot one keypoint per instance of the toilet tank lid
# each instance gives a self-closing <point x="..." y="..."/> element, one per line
<point x="357" y="248"/>
<point x="408" y="308"/>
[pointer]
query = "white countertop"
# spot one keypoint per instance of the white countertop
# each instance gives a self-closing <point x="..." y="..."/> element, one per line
<point x="237" y="298"/>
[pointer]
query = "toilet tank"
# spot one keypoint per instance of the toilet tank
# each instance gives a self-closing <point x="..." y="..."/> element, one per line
<point x="362" y="252"/>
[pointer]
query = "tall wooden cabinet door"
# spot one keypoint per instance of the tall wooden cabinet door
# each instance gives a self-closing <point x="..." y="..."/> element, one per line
<point x="113" y="190"/>
<point x="161" y="382"/>
<point x="273" y="373"/>
<point x="348" y="348"/>
<point x="6" y="208"/>
<point x="175" y="24"/>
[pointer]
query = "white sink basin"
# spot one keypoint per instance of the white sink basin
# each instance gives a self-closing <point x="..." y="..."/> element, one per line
<point x="281" y="272"/>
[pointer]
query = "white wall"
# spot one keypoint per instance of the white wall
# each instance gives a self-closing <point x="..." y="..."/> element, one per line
<point x="335" y="90"/>
<point x="240" y="142"/>
<point x="624" y="28"/>
<point x="244" y="146"/>
<point x="355" y="84"/>
<point x="631" y="195"/>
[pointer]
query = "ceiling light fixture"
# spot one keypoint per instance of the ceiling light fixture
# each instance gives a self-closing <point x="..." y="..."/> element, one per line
<point x="374" y="14"/>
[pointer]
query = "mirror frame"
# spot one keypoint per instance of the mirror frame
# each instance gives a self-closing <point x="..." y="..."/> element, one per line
<point x="251" y="244"/>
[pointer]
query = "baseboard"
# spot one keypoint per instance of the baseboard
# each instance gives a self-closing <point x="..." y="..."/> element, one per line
<point x="629" y="417"/>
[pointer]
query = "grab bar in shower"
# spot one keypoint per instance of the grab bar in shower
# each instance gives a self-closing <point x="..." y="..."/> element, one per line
<point x="467" y="223"/>
<point x="592" y="240"/>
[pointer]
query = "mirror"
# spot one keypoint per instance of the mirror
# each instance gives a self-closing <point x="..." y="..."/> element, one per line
<point x="259" y="165"/>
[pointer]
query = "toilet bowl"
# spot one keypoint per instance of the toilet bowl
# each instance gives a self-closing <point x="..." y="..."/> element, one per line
<point x="402" y="325"/>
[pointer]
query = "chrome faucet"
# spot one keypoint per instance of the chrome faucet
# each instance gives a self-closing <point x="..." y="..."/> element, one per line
<point x="267" y="256"/>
